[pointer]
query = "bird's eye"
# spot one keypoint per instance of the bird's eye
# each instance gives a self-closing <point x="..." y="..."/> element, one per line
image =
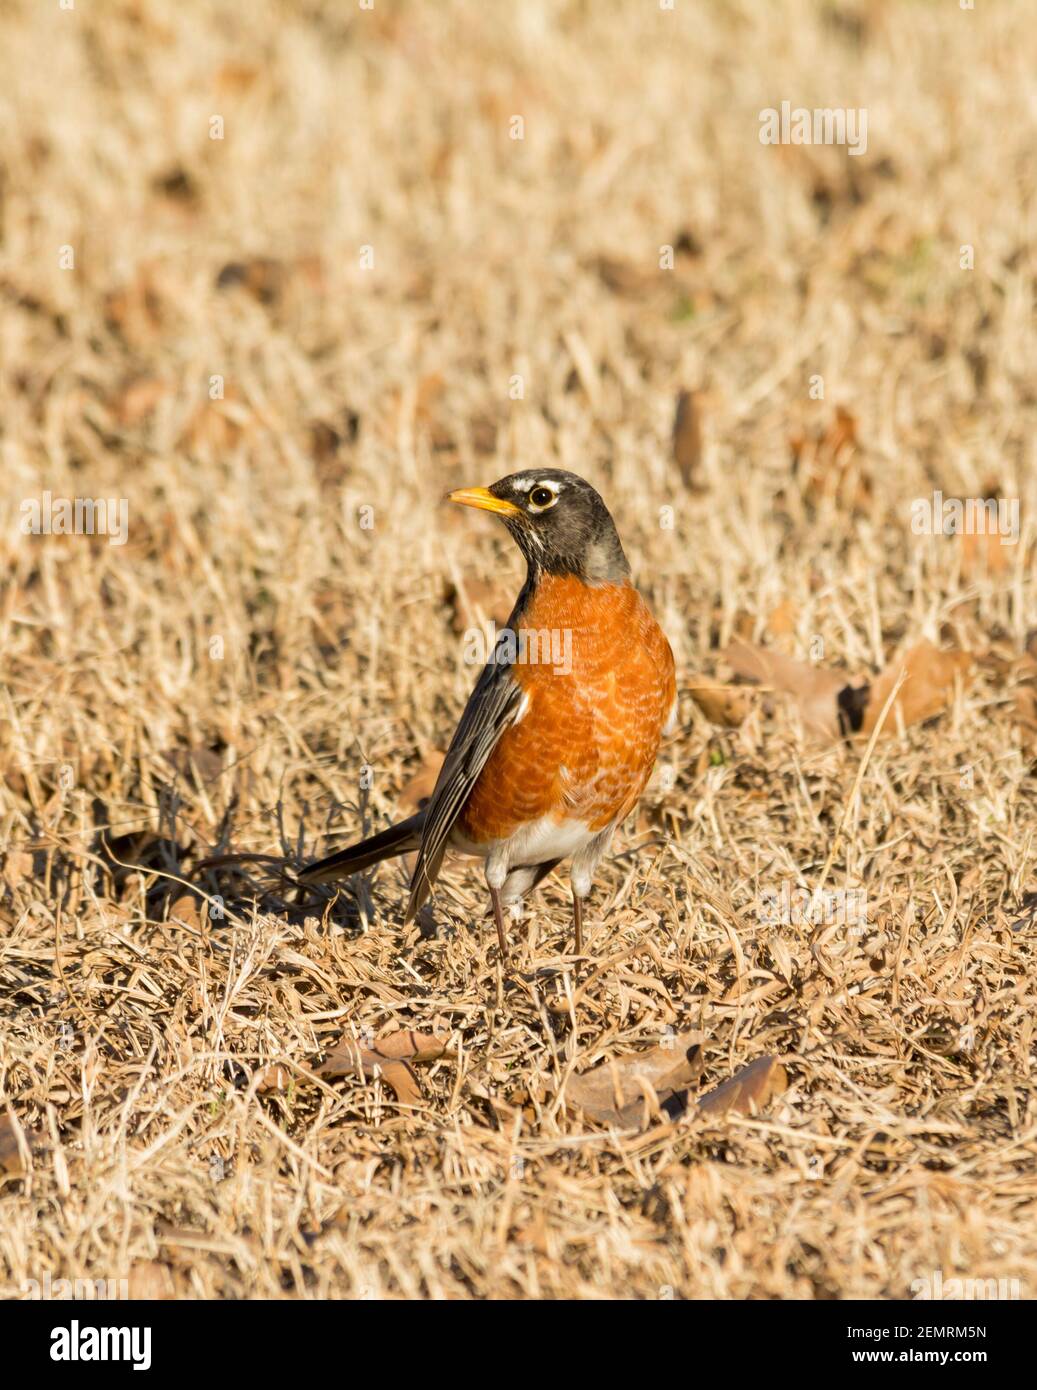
<point x="542" y="497"/>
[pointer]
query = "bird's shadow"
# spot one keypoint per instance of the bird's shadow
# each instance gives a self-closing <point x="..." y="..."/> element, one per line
<point x="225" y="884"/>
<point x="270" y="881"/>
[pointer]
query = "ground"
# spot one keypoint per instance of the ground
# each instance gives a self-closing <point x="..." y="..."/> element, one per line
<point x="275" y="278"/>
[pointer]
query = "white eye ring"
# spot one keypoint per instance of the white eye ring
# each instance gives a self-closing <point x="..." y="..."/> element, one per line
<point x="542" y="506"/>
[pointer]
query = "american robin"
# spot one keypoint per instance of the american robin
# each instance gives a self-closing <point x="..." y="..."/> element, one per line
<point x="561" y="732"/>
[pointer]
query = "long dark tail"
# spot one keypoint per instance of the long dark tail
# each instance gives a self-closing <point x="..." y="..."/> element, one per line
<point x="387" y="844"/>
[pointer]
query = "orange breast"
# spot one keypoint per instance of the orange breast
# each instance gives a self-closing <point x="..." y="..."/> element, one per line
<point x="598" y="677"/>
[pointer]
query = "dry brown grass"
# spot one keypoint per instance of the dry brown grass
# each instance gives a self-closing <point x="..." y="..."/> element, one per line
<point x="134" y="1030"/>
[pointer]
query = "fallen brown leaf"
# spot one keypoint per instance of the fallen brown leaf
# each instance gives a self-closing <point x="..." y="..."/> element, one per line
<point x="687" y="437"/>
<point x="392" y="1058"/>
<point x="927" y="690"/>
<point x="721" y="704"/>
<point x="747" y="1091"/>
<point x="14" y="1150"/>
<point x="273" y="1078"/>
<point x="625" y="1091"/>
<point x="824" y="461"/>
<point x="186" y="909"/>
<point x="814" y="689"/>
<point x="831" y="706"/>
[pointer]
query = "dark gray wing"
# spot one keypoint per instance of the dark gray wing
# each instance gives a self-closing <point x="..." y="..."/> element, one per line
<point x="491" y="707"/>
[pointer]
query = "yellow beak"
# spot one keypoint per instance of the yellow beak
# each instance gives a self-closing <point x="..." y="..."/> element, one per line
<point x="484" y="499"/>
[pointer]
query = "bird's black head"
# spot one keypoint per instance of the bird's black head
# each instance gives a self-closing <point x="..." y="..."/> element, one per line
<point x="557" y="520"/>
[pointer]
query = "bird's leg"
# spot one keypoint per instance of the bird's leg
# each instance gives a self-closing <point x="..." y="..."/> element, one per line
<point x="582" y="877"/>
<point x="498" y="917"/>
<point x="578" y="923"/>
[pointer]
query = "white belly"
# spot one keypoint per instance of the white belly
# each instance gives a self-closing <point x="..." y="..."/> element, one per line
<point x="534" y="843"/>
